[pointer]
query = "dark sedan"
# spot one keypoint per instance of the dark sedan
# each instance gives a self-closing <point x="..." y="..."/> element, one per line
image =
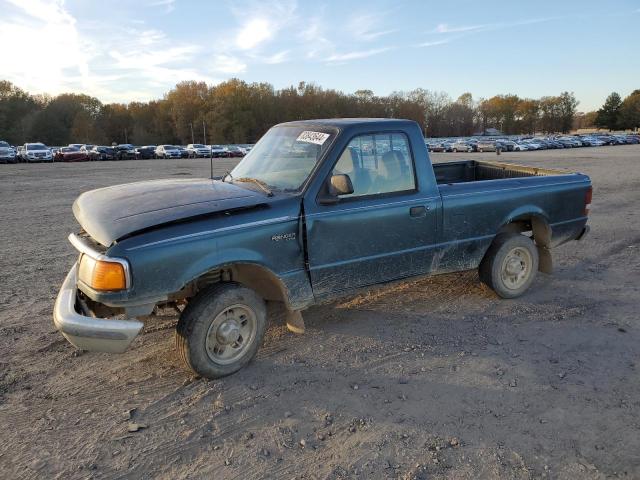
<point x="125" y="151"/>
<point x="235" y="151"/>
<point x="102" y="153"/>
<point x="146" y="152"/>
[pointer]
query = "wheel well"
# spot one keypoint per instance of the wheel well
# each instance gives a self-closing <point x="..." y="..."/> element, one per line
<point x="541" y="234"/>
<point x="260" y="279"/>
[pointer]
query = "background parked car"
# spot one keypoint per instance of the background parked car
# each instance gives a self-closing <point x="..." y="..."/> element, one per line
<point x="197" y="150"/>
<point x="183" y="151"/>
<point x="461" y="146"/>
<point x="234" y="151"/>
<point x="125" y="151"/>
<point x="486" y="145"/>
<point x="36" y="152"/>
<point x="438" y="147"/>
<point x="218" y="151"/>
<point x="70" y="154"/>
<point x="86" y="148"/>
<point x="102" y="153"/>
<point x="168" y="151"/>
<point x="7" y="154"/>
<point x="145" y="152"/>
<point x="507" y="145"/>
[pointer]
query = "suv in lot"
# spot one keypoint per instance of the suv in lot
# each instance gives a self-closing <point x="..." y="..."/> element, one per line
<point x="461" y="146"/>
<point x="487" y="146"/>
<point x="36" y="152"/>
<point x="198" y="150"/>
<point x="168" y="151"/>
<point x="7" y="154"/>
<point x="125" y="151"/>
<point x="318" y="209"/>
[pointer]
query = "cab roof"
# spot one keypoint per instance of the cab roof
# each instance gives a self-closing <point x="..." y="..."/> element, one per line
<point x="343" y="123"/>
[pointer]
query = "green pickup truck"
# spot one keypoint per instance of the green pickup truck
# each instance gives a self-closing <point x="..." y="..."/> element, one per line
<point x="316" y="210"/>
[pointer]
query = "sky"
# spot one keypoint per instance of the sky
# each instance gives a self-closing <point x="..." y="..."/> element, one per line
<point x="122" y="51"/>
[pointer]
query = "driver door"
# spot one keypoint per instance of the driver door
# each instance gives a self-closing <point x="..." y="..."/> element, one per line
<point x="383" y="231"/>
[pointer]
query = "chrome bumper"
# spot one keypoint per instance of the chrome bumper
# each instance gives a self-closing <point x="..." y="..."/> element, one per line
<point x="89" y="333"/>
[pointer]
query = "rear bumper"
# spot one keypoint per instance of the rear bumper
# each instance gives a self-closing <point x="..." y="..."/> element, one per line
<point x="89" y="333"/>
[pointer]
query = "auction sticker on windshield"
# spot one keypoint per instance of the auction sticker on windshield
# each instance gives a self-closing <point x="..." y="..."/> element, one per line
<point x="312" y="137"/>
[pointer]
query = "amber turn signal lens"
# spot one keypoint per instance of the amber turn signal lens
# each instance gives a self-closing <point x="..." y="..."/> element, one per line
<point x="102" y="275"/>
<point x="108" y="276"/>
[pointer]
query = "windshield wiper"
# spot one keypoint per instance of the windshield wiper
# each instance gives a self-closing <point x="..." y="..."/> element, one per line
<point x="227" y="174"/>
<point x="260" y="183"/>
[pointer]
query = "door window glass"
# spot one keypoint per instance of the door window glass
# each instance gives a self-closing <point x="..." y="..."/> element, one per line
<point x="377" y="164"/>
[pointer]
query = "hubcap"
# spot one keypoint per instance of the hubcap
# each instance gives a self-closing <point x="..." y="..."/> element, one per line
<point x="516" y="268"/>
<point x="230" y="334"/>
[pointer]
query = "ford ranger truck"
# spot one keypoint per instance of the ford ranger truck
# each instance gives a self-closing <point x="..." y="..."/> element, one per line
<point x="316" y="210"/>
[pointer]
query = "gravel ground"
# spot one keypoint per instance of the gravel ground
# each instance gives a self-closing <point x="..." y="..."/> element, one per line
<point x="432" y="378"/>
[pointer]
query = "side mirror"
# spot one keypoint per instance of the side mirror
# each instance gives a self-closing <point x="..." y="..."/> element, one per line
<point x="339" y="184"/>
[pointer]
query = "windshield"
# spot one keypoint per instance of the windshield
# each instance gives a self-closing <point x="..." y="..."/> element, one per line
<point x="284" y="158"/>
<point x="36" y="146"/>
<point x="197" y="145"/>
<point x="170" y="147"/>
<point x="4" y="145"/>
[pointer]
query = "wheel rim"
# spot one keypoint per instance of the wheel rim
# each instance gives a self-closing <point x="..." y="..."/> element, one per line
<point x="230" y="334"/>
<point x="516" y="268"/>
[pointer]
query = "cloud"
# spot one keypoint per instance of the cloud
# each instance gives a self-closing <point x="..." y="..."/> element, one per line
<point x="276" y="58"/>
<point x="446" y="28"/>
<point x="253" y="33"/>
<point x="50" y="52"/>
<point x="367" y="27"/>
<point x="228" y="64"/>
<point x="169" y="5"/>
<point x="343" y="57"/>
<point x="434" y="43"/>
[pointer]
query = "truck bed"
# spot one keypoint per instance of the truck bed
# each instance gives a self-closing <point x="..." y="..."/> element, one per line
<point x="475" y="171"/>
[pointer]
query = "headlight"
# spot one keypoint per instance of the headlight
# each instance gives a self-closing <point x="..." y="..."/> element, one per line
<point x="102" y="275"/>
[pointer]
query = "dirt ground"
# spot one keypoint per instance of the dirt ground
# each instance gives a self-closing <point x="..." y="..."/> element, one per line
<point x="432" y="378"/>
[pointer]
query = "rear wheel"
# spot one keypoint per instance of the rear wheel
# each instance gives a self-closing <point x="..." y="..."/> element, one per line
<point x="510" y="265"/>
<point x="221" y="329"/>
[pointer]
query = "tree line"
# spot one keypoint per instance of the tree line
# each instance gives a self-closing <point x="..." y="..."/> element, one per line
<point x="235" y="111"/>
<point x="618" y="114"/>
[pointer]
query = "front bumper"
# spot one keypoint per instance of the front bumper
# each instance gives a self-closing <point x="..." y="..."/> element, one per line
<point x="90" y="333"/>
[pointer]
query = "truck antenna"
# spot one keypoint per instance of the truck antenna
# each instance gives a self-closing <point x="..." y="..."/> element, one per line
<point x="211" y="161"/>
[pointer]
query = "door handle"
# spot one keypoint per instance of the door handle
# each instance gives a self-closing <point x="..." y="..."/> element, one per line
<point x="419" y="211"/>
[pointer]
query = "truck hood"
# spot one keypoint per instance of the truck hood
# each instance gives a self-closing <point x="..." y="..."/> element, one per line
<point x="108" y="214"/>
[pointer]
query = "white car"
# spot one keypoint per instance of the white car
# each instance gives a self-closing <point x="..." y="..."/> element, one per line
<point x="520" y="147"/>
<point x="7" y="153"/>
<point x="197" y="150"/>
<point x="36" y="152"/>
<point x="168" y="151"/>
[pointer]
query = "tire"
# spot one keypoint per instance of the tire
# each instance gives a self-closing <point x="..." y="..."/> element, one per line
<point x="499" y="267"/>
<point x="201" y="328"/>
<point x="480" y="150"/>
<point x="455" y="150"/>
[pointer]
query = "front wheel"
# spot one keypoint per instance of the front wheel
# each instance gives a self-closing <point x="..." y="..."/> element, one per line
<point x="510" y="265"/>
<point x="221" y="329"/>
